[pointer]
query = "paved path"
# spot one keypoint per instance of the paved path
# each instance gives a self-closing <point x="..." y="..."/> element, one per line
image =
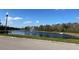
<point x="12" y="43"/>
<point x="73" y="34"/>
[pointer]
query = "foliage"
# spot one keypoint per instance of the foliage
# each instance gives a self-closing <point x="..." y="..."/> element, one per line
<point x="65" y="27"/>
<point x="75" y="40"/>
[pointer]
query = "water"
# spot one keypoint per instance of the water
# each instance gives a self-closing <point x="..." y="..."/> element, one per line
<point x="44" y="34"/>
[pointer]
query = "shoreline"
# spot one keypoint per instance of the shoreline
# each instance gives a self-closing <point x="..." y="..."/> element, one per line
<point x="76" y="40"/>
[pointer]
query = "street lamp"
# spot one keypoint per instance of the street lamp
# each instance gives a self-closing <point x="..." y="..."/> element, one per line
<point x="6" y="18"/>
<point x="37" y="23"/>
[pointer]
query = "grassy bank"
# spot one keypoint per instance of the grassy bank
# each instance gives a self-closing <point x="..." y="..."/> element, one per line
<point x="45" y="38"/>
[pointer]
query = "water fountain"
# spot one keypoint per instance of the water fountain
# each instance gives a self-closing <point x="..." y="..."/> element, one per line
<point x="32" y="29"/>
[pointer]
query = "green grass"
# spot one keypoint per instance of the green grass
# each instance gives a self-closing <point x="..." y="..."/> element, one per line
<point x="76" y="40"/>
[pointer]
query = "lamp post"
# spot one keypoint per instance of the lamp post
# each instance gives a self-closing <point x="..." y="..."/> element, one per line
<point x="6" y="18"/>
<point x="37" y="23"/>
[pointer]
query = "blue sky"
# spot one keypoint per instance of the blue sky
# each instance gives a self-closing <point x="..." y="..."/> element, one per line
<point x="30" y="17"/>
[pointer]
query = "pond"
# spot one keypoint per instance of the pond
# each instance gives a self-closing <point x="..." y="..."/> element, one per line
<point x="44" y="34"/>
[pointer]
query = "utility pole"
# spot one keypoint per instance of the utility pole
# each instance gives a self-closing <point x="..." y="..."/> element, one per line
<point x="6" y="18"/>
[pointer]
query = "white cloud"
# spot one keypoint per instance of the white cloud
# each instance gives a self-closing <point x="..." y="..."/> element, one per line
<point x="27" y="22"/>
<point x="11" y="19"/>
<point x="14" y="18"/>
<point x="17" y="18"/>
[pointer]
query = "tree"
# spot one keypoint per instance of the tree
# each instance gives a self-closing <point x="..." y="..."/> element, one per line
<point x="27" y="28"/>
<point x="65" y="27"/>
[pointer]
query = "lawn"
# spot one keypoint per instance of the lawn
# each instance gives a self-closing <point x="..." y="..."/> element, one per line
<point x="75" y="40"/>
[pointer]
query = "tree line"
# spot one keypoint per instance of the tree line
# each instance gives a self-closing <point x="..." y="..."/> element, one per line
<point x="64" y="27"/>
<point x="2" y="28"/>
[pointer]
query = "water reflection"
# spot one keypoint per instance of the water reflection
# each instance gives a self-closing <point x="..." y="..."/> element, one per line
<point x="45" y="34"/>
